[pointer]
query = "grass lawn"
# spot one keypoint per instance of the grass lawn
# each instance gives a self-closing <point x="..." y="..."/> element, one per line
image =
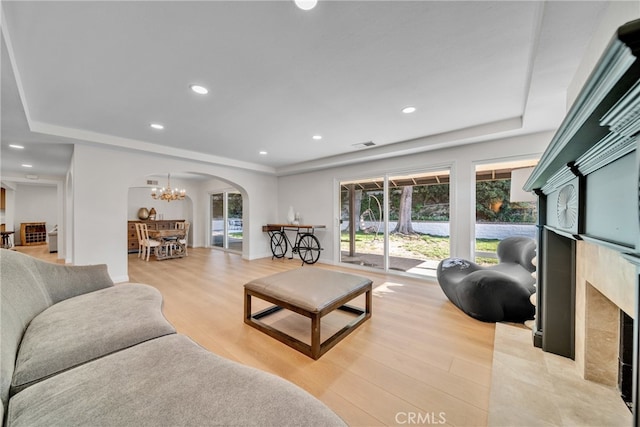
<point x="420" y="246"/>
<point x="487" y="245"/>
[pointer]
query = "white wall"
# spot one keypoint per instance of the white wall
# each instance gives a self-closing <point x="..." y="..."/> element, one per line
<point x="101" y="199"/>
<point x="68" y="216"/>
<point x="315" y="195"/>
<point x="35" y="203"/>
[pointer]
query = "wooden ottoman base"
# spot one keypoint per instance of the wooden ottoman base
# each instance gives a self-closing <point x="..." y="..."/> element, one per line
<point x="313" y="293"/>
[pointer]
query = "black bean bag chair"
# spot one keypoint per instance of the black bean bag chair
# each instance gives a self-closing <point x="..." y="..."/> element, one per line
<point x="496" y="293"/>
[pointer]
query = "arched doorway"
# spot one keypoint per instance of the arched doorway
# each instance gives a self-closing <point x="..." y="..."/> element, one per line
<point x="197" y="207"/>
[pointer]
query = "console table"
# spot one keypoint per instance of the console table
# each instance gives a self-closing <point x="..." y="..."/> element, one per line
<point x="305" y="244"/>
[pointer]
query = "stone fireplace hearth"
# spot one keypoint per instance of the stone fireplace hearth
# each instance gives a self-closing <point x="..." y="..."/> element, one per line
<point x="530" y="387"/>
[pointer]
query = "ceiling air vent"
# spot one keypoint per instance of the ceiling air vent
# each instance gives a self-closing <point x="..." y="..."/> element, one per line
<point x="151" y="182"/>
<point x="364" y="144"/>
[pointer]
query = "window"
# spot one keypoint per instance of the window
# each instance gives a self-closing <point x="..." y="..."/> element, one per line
<point x="498" y="213"/>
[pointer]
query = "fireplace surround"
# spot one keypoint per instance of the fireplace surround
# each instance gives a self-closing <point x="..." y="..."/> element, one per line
<point x="588" y="187"/>
<point x="604" y="290"/>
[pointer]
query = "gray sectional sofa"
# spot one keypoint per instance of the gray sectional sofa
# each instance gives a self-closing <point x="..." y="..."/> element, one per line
<point x="78" y="351"/>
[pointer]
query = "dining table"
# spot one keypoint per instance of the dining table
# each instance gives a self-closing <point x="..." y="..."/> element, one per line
<point x="171" y="245"/>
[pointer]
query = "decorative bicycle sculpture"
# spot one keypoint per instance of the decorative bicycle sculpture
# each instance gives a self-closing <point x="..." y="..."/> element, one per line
<point x="306" y="245"/>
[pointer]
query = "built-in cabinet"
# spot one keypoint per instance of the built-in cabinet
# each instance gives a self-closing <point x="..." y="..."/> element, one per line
<point x="33" y="233"/>
<point x="163" y="224"/>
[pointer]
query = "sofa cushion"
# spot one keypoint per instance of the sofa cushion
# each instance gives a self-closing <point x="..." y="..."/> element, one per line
<point x="169" y="381"/>
<point x="67" y="281"/>
<point x="23" y="296"/>
<point x="29" y="286"/>
<point x="83" y="328"/>
<point x="310" y="288"/>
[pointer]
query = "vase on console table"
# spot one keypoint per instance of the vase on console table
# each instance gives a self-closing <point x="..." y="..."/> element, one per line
<point x="291" y="216"/>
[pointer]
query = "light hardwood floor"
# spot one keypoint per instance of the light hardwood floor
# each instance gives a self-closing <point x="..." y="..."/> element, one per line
<point x="418" y="357"/>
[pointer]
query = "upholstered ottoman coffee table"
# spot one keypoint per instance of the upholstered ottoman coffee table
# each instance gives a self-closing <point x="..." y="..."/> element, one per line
<point x="314" y="293"/>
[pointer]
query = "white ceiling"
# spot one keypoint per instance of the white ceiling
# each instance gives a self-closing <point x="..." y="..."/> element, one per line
<point x="101" y="72"/>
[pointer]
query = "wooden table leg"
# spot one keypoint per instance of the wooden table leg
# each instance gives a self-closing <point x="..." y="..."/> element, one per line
<point x="315" y="335"/>
<point x="247" y="306"/>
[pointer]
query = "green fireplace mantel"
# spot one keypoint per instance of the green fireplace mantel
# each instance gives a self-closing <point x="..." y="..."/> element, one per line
<point x="588" y="187"/>
<point x="608" y="101"/>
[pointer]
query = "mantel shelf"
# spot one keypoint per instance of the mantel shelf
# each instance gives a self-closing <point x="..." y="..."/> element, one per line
<point x="608" y="98"/>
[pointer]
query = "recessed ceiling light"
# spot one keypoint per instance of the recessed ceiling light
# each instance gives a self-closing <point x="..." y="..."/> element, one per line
<point x="306" y="4"/>
<point x="24" y="165"/>
<point x="317" y="137"/>
<point x="200" y="90"/>
<point x="157" y="126"/>
<point x="263" y="153"/>
<point x="16" y="146"/>
<point x="409" y="110"/>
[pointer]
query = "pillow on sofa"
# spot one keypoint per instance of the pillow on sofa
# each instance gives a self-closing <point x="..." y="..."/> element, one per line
<point x="86" y="327"/>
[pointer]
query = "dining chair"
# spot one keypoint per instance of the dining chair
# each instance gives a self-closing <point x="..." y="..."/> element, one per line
<point x="183" y="241"/>
<point x="139" y="236"/>
<point x="147" y="242"/>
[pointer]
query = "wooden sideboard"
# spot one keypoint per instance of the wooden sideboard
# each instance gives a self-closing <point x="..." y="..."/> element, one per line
<point x="33" y="233"/>
<point x="162" y="224"/>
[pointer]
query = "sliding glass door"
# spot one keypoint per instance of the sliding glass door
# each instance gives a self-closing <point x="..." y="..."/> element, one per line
<point x="362" y="222"/>
<point x="396" y="222"/>
<point x="418" y="222"/>
<point x="218" y="232"/>
<point x="226" y="221"/>
<point x="234" y="221"/>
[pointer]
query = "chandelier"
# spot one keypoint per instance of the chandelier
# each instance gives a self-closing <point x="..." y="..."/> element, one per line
<point x="167" y="193"/>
